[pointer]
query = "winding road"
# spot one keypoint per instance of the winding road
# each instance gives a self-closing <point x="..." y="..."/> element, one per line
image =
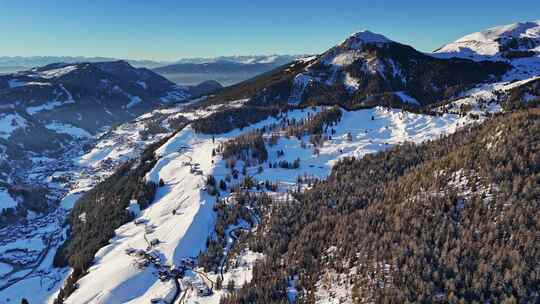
<point x="233" y="236"/>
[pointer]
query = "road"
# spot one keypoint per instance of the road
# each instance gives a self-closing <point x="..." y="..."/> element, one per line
<point x="178" y="289"/>
<point x="226" y="257"/>
<point x="232" y="235"/>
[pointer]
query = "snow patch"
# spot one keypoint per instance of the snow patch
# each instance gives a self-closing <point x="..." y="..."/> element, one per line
<point x="10" y="123"/>
<point x="55" y="73"/>
<point x="142" y="84"/>
<point x="174" y="96"/>
<point x="134" y="208"/>
<point x="300" y="83"/>
<point x="134" y="100"/>
<point x="6" y="201"/>
<point x="71" y="130"/>
<point x="344" y="59"/>
<point x="14" y="83"/>
<point x="351" y="83"/>
<point x="44" y="107"/>
<point x="407" y="99"/>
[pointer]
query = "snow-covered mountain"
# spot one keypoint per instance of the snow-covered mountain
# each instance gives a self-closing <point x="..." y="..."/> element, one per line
<point x="517" y="40"/>
<point x="87" y="95"/>
<point x="156" y="218"/>
<point x="52" y="112"/>
<point x="368" y="69"/>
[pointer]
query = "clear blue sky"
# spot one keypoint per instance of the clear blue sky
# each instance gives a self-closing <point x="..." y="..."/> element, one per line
<point x="167" y="29"/>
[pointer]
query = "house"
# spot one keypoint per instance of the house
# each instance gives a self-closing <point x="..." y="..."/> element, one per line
<point x="188" y="262"/>
<point x="178" y="271"/>
<point x="203" y="291"/>
<point x="154" y="242"/>
<point x="139" y="221"/>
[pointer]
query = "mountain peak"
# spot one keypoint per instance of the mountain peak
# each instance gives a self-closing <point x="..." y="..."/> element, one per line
<point x="369" y="36"/>
<point x="357" y="39"/>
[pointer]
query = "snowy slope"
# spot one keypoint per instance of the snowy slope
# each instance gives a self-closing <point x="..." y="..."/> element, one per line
<point x="517" y="44"/>
<point x="492" y="43"/>
<point x="483" y="99"/>
<point x="70" y="176"/>
<point x="115" y="278"/>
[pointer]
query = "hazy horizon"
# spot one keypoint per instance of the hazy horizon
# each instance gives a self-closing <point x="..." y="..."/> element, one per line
<point x="168" y="30"/>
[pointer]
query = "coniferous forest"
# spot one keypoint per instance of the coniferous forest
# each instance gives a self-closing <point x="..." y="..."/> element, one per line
<point x="454" y="220"/>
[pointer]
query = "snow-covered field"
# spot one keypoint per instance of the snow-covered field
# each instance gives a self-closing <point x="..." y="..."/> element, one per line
<point x="68" y="129"/>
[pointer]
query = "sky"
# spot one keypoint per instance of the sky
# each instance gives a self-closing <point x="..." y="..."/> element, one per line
<point x="169" y="30"/>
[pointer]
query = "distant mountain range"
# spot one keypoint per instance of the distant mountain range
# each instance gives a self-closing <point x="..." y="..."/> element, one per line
<point x="16" y="63"/>
<point x="249" y="59"/>
<point x="226" y="70"/>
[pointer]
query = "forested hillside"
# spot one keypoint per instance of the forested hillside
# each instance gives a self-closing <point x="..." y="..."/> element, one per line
<point x="454" y="220"/>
